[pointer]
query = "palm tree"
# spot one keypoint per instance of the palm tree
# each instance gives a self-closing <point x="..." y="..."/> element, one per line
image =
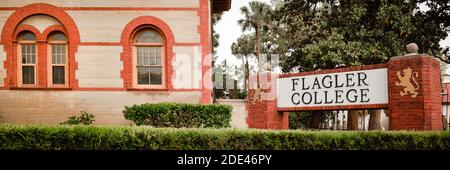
<point x="243" y="47"/>
<point x="257" y="18"/>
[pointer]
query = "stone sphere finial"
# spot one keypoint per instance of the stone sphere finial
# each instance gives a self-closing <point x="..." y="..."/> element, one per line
<point x="412" y="48"/>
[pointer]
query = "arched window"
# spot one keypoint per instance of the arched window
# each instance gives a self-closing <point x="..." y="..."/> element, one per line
<point x="57" y="59"/>
<point x="28" y="58"/>
<point x="148" y="58"/>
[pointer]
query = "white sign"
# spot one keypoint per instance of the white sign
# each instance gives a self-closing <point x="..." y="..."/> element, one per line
<point x="335" y="89"/>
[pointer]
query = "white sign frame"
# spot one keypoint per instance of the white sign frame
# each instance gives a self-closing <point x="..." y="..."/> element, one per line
<point x="369" y="87"/>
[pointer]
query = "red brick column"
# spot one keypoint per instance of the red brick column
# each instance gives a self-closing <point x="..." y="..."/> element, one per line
<point x="414" y="112"/>
<point x="263" y="114"/>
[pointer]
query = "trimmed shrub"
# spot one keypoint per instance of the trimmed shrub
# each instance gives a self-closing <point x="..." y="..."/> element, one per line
<point x="84" y="119"/>
<point x="180" y="115"/>
<point x="145" y="138"/>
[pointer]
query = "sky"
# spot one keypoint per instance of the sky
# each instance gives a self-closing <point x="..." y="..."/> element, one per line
<point x="229" y="31"/>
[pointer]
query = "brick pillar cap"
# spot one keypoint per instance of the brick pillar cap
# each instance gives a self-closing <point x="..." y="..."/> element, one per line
<point x="412" y="55"/>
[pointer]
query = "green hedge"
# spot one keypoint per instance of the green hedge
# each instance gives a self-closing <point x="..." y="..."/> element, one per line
<point x="145" y="138"/>
<point x="180" y="115"/>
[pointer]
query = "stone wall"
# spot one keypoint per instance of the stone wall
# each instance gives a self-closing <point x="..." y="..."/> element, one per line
<point x="239" y="114"/>
<point x="53" y="107"/>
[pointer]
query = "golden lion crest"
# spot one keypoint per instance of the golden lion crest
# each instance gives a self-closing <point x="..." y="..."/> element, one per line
<point x="405" y="82"/>
<point x="257" y="95"/>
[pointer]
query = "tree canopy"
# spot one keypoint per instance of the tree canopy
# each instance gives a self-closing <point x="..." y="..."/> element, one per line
<point x="324" y="34"/>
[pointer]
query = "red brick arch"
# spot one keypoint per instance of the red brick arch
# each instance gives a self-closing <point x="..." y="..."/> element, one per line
<point x="30" y="28"/>
<point x="52" y="29"/>
<point x="11" y="27"/>
<point x="126" y="42"/>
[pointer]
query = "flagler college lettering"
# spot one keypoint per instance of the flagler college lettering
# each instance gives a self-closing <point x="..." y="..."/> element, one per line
<point x="346" y="88"/>
<point x="328" y="81"/>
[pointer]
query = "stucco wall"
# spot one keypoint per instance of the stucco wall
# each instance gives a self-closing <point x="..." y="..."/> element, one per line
<point x="41" y="22"/>
<point x="239" y="114"/>
<point x="53" y="107"/>
<point x="4" y="16"/>
<point x="187" y="66"/>
<point x="107" y="26"/>
<point x="109" y="3"/>
<point x="99" y="66"/>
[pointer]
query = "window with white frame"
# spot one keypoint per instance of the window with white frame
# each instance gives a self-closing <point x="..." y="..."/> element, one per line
<point x="148" y="58"/>
<point x="27" y="56"/>
<point x="58" y="69"/>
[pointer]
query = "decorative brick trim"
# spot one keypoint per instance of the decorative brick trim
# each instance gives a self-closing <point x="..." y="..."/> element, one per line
<point x="41" y="88"/>
<point x="205" y="41"/>
<point x="187" y="44"/>
<point x="115" y="9"/>
<point x="346" y="107"/>
<point x="100" y="44"/>
<point x="51" y="29"/>
<point x="119" y="44"/>
<point x="337" y="70"/>
<point x="8" y="33"/>
<point x="24" y="27"/>
<point x="13" y="58"/>
<point x="8" y="8"/>
<point x="126" y="41"/>
<point x="187" y="90"/>
<point x="101" y="89"/>
<point x="133" y="89"/>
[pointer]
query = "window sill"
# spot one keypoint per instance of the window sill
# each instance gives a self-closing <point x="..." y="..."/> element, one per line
<point x="40" y="88"/>
<point x="147" y="89"/>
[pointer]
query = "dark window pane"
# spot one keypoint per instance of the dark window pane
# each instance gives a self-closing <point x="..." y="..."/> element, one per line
<point x="155" y="75"/>
<point x="24" y="55"/>
<point x="146" y="55"/>
<point x="148" y="36"/>
<point x="58" y="36"/>
<point x="63" y="54"/>
<point x="53" y="54"/>
<point x="27" y="53"/>
<point x="139" y="56"/>
<point x="158" y="56"/>
<point x="27" y="74"/>
<point x="152" y="56"/>
<point x="143" y="75"/>
<point x="56" y="54"/>
<point x="33" y="54"/>
<point x="27" y="36"/>
<point x="58" y="75"/>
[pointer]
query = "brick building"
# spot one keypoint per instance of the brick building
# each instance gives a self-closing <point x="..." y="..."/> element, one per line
<point x="58" y="57"/>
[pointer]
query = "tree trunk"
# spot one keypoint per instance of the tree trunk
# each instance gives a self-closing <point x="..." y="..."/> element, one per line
<point x="258" y="53"/>
<point x="374" y="121"/>
<point x="352" y="120"/>
<point x="246" y="71"/>
<point x="316" y="118"/>
<point x="214" y="97"/>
